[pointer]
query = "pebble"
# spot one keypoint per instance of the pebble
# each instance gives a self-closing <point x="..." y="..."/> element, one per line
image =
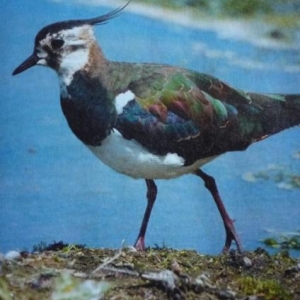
<point x="44" y="281"/>
<point x="80" y="275"/>
<point x="13" y="255"/>
<point x="252" y="298"/>
<point x="294" y="269"/>
<point x="226" y="295"/>
<point x="247" y="262"/>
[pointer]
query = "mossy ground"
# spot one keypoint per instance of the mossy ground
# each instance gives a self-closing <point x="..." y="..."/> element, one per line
<point x="153" y="274"/>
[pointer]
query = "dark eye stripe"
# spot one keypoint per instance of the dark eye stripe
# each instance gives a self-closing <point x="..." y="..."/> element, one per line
<point x="46" y="48"/>
<point x="76" y="47"/>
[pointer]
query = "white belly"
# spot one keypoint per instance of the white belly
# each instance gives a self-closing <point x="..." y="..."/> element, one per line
<point x="130" y="158"/>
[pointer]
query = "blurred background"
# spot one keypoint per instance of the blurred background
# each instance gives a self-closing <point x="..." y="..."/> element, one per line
<point x="52" y="188"/>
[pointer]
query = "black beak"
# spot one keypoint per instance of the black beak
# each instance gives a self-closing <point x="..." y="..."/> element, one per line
<point x="28" y="63"/>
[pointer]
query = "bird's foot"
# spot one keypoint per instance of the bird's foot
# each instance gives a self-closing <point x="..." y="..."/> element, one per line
<point x="140" y="244"/>
<point x="231" y="235"/>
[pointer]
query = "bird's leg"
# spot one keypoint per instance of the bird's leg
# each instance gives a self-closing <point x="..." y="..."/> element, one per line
<point x="151" y="196"/>
<point x="231" y="234"/>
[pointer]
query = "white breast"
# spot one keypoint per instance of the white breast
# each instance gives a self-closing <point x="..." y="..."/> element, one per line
<point x="130" y="158"/>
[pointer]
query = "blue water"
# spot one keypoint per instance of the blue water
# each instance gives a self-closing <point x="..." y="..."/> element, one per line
<point x="52" y="188"/>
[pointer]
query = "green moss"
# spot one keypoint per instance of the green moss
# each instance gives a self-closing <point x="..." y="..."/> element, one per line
<point x="277" y="12"/>
<point x="268" y="289"/>
<point x="271" y="242"/>
<point x="5" y="293"/>
<point x="283" y="20"/>
<point x="284" y="242"/>
<point x="245" y="8"/>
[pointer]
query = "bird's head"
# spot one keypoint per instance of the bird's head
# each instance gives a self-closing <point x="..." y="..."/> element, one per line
<point x="65" y="45"/>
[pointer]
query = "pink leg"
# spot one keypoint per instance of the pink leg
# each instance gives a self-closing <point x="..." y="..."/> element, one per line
<point x="231" y="234"/>
<point x="151" y="196"/>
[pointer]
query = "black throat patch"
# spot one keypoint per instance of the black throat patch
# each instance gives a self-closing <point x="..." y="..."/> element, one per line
<point x="89" y="109"/>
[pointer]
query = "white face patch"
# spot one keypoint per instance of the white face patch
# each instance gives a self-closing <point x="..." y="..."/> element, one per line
<point x="42" y="62"/>
<point x="41" y="53"/>
<point x="122" y="99"/>
<point x="74" y="53"/>
<point x="71" y="63"/>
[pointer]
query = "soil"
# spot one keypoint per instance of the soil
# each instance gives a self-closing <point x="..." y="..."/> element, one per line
<point x="75" y="272"/>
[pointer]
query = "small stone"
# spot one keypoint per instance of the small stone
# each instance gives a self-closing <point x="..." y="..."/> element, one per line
<point x="176" y="268"/>
<point x="44" y="281"/>
<point x="291" y="270"/>
<point x="63" y="255"/>
<point x="166" y="277"/>
<point x="204" y="282"/>
<point x="247" y="262"/>
<point x="226" y="295"/>
<point x="13" y="255"/>
<point x="71" y="263"/>
<point x="80" y="275"/>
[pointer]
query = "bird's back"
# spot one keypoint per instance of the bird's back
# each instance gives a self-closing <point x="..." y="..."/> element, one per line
<point x="195" y="115"/>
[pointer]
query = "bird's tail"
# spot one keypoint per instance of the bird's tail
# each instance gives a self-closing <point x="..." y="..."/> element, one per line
<point x="278" y="112"/>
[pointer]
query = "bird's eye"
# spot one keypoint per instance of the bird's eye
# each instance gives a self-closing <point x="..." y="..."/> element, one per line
<point x="56" y="44"/>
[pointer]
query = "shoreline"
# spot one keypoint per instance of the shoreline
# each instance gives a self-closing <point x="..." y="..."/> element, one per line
<point x="252" y="30"/>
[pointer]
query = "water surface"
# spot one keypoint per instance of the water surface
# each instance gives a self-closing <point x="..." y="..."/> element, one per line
<point x="52" y="188"/>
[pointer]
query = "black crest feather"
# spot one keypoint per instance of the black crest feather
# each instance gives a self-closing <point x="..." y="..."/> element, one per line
<point x="56" y="27"/>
